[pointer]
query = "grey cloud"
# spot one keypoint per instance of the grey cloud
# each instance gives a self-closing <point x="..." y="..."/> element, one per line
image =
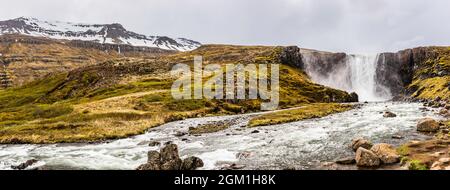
<point x="335" y="25"/>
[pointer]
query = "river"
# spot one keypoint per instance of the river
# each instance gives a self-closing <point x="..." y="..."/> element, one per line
<point x="300" y="145"/>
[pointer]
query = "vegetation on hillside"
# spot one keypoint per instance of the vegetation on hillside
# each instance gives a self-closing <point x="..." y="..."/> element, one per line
<point x="432" y="76"/>
<point x="120" y="98"/>
<point x="308" y="111"/>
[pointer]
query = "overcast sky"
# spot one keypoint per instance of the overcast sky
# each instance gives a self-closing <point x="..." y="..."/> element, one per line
<point x="357" y="26"/>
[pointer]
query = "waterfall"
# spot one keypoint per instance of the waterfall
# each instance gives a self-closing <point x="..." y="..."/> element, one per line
<point x="352" y="73"/>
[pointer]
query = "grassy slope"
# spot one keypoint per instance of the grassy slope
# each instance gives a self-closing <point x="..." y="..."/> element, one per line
<point x="117" y="99"/>
<point x="430" y="80"/>
<point x="30" y="61"/>
<point x="307" y="111"/>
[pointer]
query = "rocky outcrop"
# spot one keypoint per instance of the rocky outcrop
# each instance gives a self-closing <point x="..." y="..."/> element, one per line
<point x="441" y="164"/>
<point x="402" y="72"/>
<point x="366" y="158"/>
<point x="192" y="163"/>
<point x="428" y="125"/>
<point x="386" y="153"/>
<point x="5" y="80"/>
<point x="291" y="56"/>
<point x="360" y="142"/>
<point x="323" y="63"/>
<point x="25" y="165"/>
<point x="123" y="48"/>
<point x="353" y="97"/>
<point x="168" y="159"/>
<point x="395" y="70"/>
<point x="346" y="161"/>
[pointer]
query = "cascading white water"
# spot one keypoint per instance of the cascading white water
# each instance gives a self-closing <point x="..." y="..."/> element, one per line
<point x="363" y="72"/>
<point x="356" y="74"/>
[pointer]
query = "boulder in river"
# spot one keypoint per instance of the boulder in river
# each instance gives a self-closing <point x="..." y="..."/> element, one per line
<point x="366" y="158"/>
<point x="153" y="163"/>
<point x="168" y="159"/>
<point x="180" y="134"/>
<point x="397" y="137"/>
<point x="346" y="161"/>
<point x="192" y="163"/>
<point x="360" y="142"/>
<point x="154" y="143"/>
<point x="389" y="114"/>
<point x="25" y="165"/>
<point x="386" y="153"/>
<point x="428" y="125"/>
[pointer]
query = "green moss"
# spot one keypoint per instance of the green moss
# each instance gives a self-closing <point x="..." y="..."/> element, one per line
<point x="430" y="77"/>
<point x="233" y="108"/>
<point x="29" y="93"/>
<point x="185" y="105"/>
<point x="51" y="111"/>
<point x="417" y="165"/>
<point x="431" y="88"/>
<point x="403" y="150"/>
<point x="306" y="112"/>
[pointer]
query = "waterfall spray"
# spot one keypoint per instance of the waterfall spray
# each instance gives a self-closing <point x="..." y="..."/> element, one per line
<point x="353" y="73"/>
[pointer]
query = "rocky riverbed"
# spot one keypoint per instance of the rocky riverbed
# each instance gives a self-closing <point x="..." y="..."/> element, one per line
<point x="308" y="144"/>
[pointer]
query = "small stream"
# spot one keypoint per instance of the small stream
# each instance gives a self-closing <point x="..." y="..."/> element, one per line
<point x="301" y="145"/>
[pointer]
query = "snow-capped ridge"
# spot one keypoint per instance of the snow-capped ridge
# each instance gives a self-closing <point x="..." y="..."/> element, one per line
<point x="113" y="33"/>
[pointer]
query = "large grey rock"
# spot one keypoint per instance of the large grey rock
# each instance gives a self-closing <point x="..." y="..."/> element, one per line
<point x="169" y="152"/>
<point x="168" y="159"/>
<point x="192" y="163"/>
<point x="153" y="161"/>
<point x="154" y="157"/>
<point x="174" y="164"/>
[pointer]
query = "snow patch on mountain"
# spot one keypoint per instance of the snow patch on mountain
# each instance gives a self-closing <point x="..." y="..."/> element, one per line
<point x="101" y="33"/>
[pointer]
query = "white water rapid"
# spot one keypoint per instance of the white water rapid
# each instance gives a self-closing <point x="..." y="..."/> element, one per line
<point x="301" y="145"/>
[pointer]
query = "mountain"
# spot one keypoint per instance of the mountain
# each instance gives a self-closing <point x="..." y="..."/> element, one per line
<point x="102" y="33"/>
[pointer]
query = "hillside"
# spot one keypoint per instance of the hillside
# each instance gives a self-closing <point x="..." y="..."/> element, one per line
<point x="24" y="59"/>
<point x="125" y="97"/>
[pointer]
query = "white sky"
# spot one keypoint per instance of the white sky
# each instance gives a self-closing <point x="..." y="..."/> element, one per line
<point x="355" y="26"/>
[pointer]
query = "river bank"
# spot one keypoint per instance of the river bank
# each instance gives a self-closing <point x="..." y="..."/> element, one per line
<point x="305" y="144"/>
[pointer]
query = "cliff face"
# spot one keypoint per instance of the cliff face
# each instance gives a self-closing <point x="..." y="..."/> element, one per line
<point x="394" y="71"/>
<point x="418" y="73"/>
